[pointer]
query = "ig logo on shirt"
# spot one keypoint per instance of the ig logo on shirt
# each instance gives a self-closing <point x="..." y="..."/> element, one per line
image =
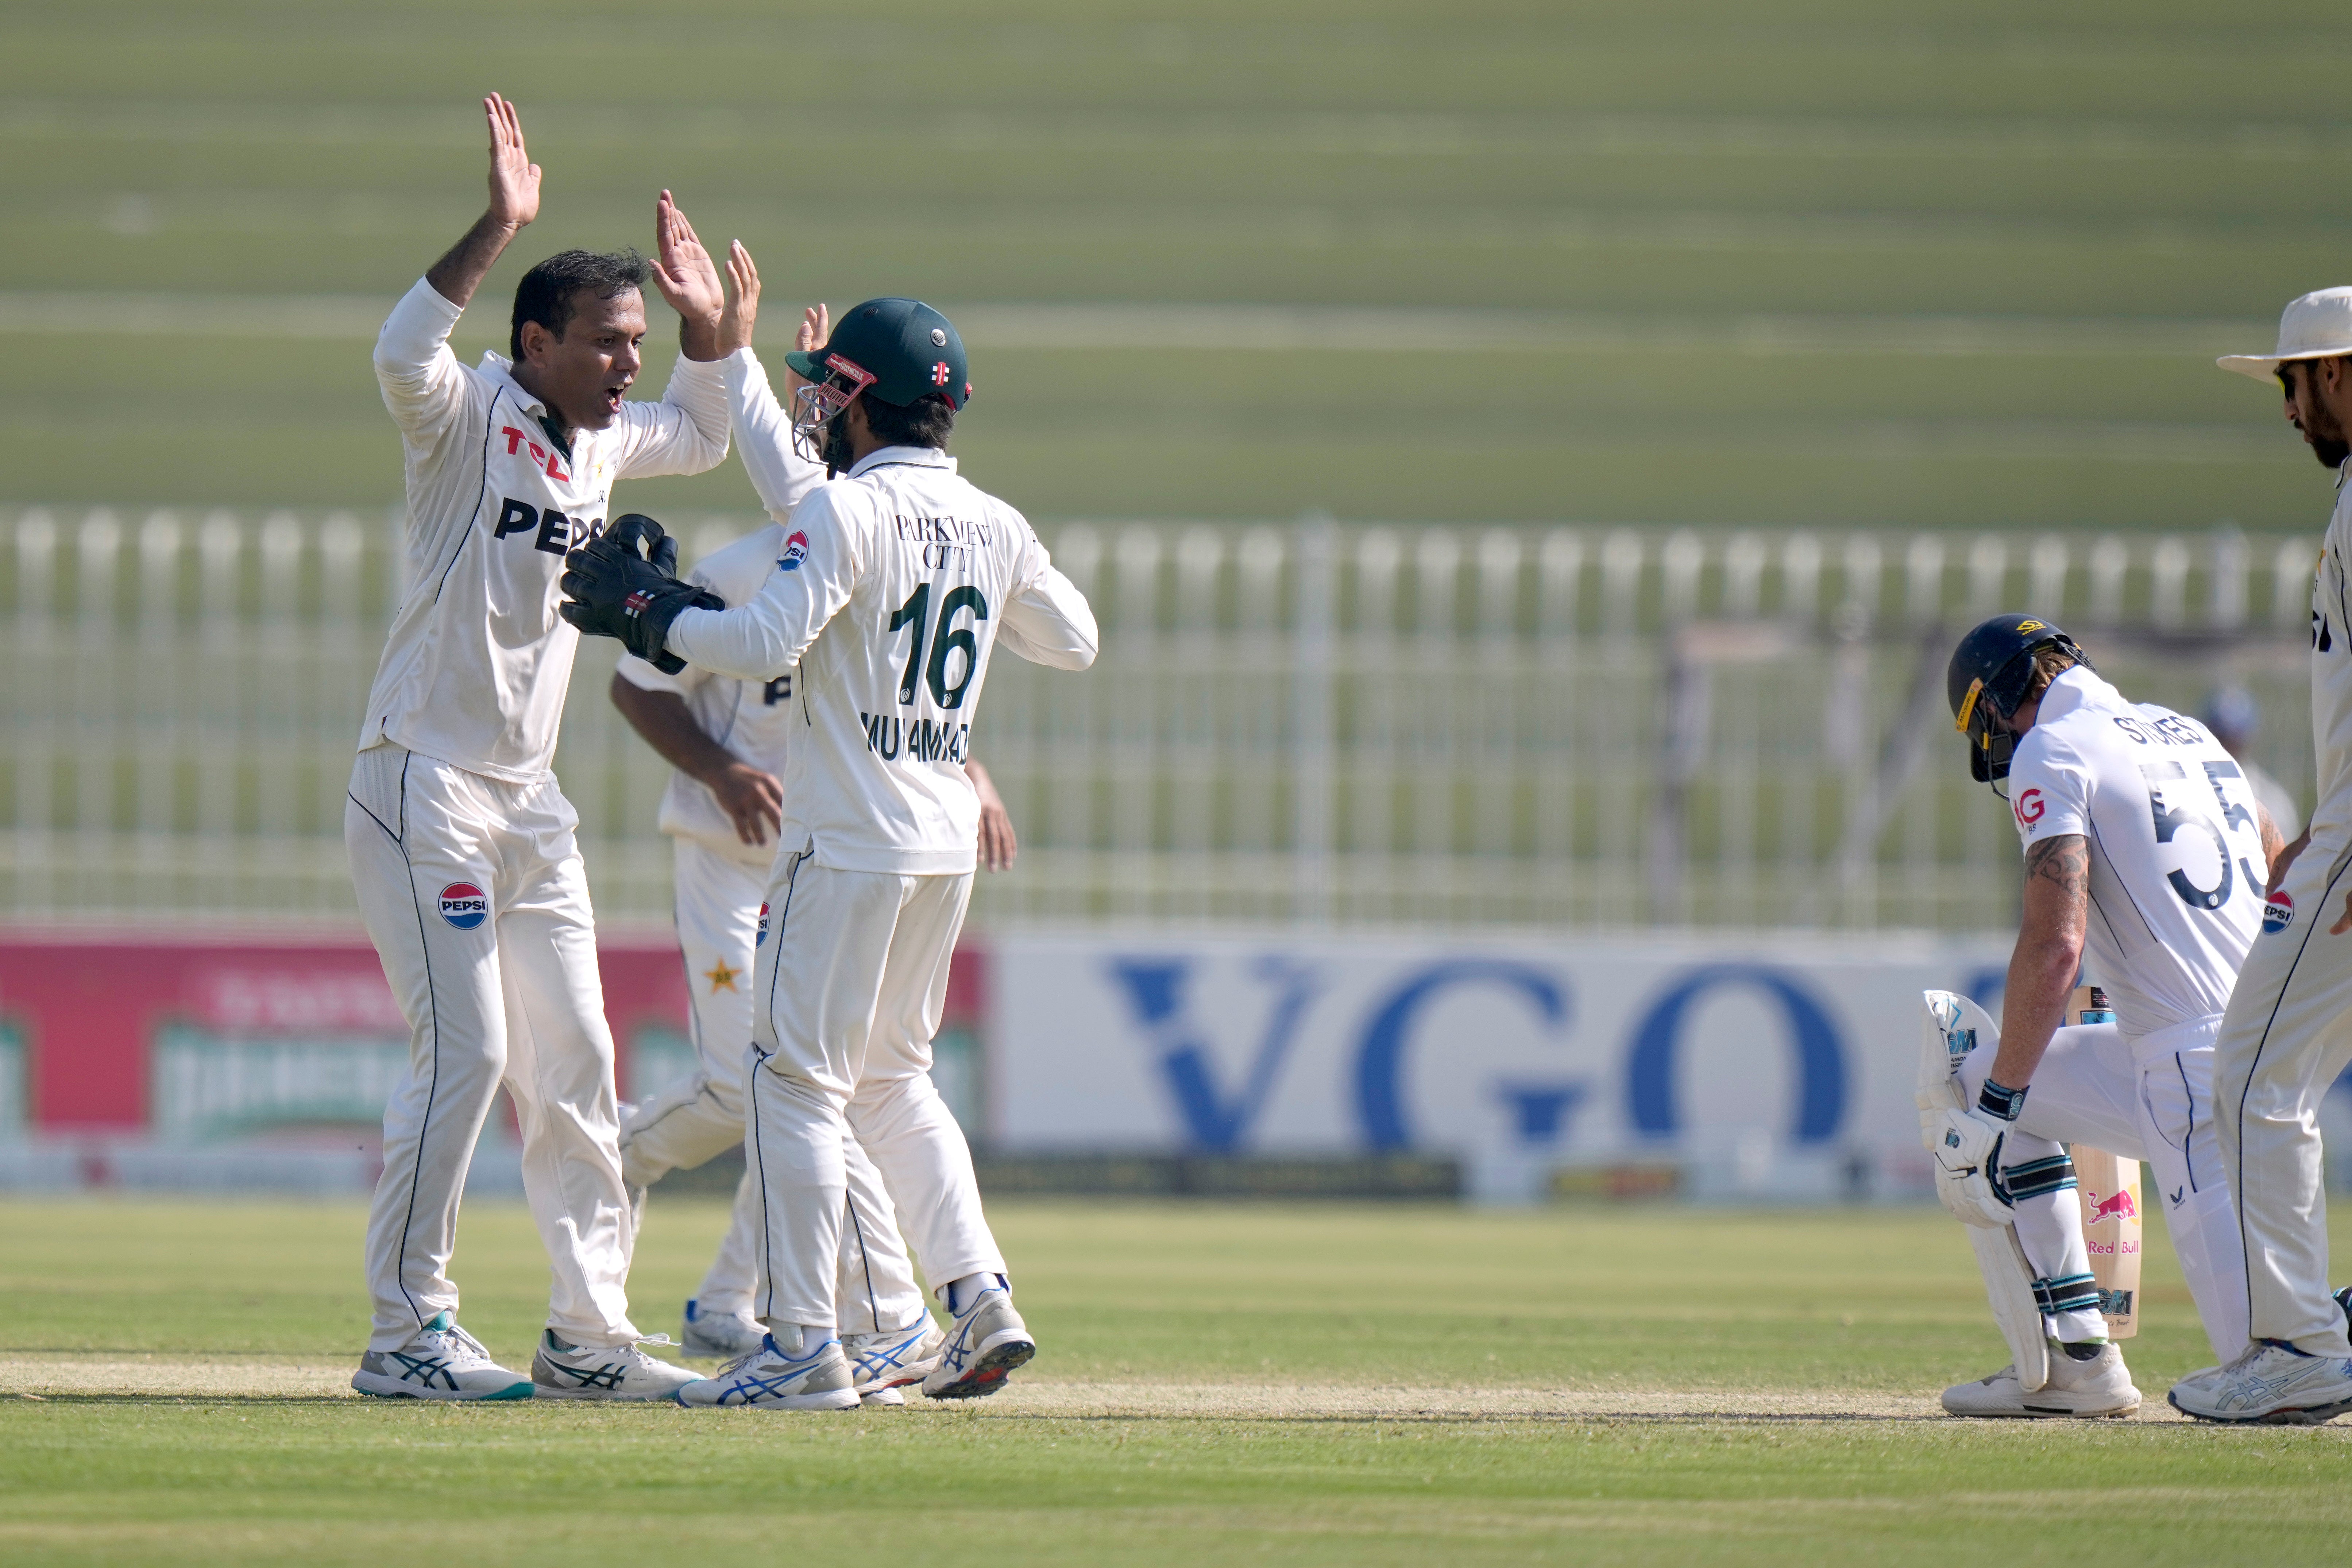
<point x="2030" y="807"/>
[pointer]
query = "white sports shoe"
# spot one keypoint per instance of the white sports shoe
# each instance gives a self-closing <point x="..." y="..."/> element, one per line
<point x="441" y="1361"/>
<point x="2271" y="1383"/>
<point x="564" y="1371"/>
<point x="882" y="1398"/>
<point x="2101" y="1387"/>
<point x="988" y="1341"/>
<point x="884" y="1363"/>
<point x="719" y="1336"/>
<point x="767" y="1379"/>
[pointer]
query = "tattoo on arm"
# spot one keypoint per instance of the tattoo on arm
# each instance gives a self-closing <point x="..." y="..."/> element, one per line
<point x="2064" y="860"/>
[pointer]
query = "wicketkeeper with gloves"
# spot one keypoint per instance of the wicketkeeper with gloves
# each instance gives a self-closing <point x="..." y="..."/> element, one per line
<point x="895" y="583"/>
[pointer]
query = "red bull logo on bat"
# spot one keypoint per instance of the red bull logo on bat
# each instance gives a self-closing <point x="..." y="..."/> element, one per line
<point x="2119" y="1207"/>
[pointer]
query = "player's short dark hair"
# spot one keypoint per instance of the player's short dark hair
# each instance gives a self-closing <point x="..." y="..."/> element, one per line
<point x="548" y="293"/>
<point x="922" y="423"/>
<point x="2050" y="662"/>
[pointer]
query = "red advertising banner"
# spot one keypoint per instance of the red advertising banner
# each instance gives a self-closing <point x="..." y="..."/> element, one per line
<point x="206" y="1035"/>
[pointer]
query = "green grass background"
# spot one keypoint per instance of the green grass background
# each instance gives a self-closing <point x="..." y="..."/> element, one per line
<point x="1631" y="1300"/>
<point x="2097" y="197"/>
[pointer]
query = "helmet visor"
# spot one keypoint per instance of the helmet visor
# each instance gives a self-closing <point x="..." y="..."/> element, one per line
<point x="816" y="403"/>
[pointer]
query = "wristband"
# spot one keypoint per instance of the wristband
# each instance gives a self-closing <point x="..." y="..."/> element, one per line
<point x="1995" y="1100"/>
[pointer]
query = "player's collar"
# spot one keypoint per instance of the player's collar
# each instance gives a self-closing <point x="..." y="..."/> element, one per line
<point x="500" y="369"/>
<point x="905" y="457"/>
<point x="2075" y="688"/>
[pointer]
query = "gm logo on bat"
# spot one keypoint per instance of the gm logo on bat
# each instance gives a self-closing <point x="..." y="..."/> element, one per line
<point x="464" y="905"/>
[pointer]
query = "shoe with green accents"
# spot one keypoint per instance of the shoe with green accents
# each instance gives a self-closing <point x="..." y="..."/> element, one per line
<point x="440" y="1361"/>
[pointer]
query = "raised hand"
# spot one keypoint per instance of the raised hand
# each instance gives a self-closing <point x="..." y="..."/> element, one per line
<point x="816" y="327"/>
<point x="514" y="178"/>
<point x="514" y="202"/>
<point x="689" y="279"/>
<point x="742" y="310"/>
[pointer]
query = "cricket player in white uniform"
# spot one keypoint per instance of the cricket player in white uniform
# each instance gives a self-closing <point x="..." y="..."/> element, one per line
<point x="2145" y="849"/>
<point x="2289" y="1029"/>
<point x="461" y="845"/>
<point x="895" y="584"/>
<point x="729" y="741"/>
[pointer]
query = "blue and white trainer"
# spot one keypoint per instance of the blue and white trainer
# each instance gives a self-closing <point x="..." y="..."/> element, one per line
<point x="564" y="1371"/>
<point x="440" y="1361"/>
<point x="988" y="1342"/>
<point x="767" y="1379"/>
<point x="2271" y="1383"/>
<point x="719" y="1336"/>
<point x="883" y="1363"/>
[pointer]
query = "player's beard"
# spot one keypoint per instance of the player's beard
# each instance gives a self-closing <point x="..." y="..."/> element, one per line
<point x="835" y="453"/>
<point x="2331" y="450"/>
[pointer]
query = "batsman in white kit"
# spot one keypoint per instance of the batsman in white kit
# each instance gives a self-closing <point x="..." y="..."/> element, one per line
<point x="2289" y="1030"/>
<point x="730" y="742"/>
<point x="461" y="845"/>
<point x="2145" y="850"/>
<point x="894" y="585"/>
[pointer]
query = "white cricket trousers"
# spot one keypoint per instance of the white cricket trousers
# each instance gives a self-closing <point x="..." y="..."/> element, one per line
<point x="473" y="892"/>
<point x="852" y="983"/>
<point x="701" y="1115"/>
<point x="2149" y="1099"/>
<point x="2287" y="1036"/>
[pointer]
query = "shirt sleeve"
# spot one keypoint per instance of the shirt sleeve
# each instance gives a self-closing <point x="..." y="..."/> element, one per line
<point x="2049" y="792"/>
<point x="1047" y="621"/>
<point x="764" y="434"/>
<point x="766" y="636"/>
<point x="423" y="386"/>
<point x="685" y="432"/>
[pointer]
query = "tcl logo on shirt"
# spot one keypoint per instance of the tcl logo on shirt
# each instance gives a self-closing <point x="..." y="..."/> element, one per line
<point x="516" y="440"/>
<point x="2029" y="808"/>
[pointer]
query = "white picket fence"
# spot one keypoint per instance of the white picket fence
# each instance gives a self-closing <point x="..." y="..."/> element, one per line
<point x="1303" y="722"/>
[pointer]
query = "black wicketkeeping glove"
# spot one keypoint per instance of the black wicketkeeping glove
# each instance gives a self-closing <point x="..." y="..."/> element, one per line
<point x="612" y="591"/>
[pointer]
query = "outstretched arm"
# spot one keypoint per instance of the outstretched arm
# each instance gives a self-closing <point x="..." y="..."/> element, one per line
<point x="762" y="638"/>
<point x="763" y="430"/>
<point x="2048" y="956"/>
<point x="514" y="202"/>
<point x="689" y="279"/>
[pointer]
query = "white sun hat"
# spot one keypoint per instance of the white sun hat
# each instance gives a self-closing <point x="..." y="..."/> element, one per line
<point x="2317" y="326"/>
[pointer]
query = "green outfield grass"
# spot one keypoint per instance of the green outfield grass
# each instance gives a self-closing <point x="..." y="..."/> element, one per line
<point x="2040" y="222"/>
<point x="1308" y="1385"/>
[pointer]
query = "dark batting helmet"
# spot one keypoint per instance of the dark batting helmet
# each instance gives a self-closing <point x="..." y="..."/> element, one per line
<point x="899" y="350"/>
<point x="1986" y="680"/>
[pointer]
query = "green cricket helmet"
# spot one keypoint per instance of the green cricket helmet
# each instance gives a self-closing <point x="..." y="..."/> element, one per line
<point x="899" y="350"/>
<point x="1986" y="680"/>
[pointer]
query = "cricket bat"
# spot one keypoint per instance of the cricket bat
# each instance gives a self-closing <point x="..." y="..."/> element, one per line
<point x="2110" y="1193"/>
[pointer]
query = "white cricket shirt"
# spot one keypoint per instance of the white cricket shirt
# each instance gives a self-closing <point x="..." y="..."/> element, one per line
<point x="477" y="661"/>
<point x="2331" y="682"/>
<point x="753" y="719"/>
<point x="2176" y="862"/>
<point x="894" y="585"/>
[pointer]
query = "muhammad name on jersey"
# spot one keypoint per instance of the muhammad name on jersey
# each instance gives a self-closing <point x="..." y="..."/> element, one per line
<point x="892" y="738"/>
